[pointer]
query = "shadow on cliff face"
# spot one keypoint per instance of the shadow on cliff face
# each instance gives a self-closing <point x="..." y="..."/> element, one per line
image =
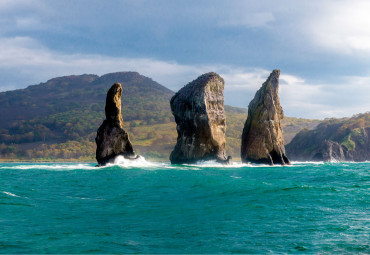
<point x="111" y="139"/>
<point x="199" y="113"/>
<point x="345" y="139"/>
<point x="262" y="138"/>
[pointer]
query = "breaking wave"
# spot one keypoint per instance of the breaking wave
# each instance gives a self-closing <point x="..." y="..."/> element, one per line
<point x="138" y="162"/>
<point x="10" y="194"/>
<point x="50" y="166"/>
<point x="142" y="163"/>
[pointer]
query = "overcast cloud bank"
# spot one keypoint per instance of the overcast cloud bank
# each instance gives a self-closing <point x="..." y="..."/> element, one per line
<point x="322" y="48"/>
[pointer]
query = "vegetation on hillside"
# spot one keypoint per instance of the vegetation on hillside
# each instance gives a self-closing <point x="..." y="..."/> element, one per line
<point x="352" y="133"/>
<point x="59" y="119"/>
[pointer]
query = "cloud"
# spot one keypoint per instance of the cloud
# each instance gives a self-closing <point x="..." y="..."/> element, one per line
<point x="24" y="61"/>
<point x="22" y="16"/>
<point x="340" y="26"/>
<point x="244" y="79"/>
<point x="249" y="20"/>
<point x="318" y="100"/>
<point x="8" y="5"/>
<point x="31" y="63"/>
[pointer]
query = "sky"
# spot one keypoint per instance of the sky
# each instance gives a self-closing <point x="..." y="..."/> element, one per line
<point x="322" y="48"/>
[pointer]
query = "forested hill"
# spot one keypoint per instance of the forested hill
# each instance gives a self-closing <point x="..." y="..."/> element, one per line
<point x="142" y="97"/>
<point x="58" y="119"/>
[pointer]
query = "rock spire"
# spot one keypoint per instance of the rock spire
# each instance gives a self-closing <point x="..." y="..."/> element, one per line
<point x="262" y="138"/>
<point x="111" y="139"/>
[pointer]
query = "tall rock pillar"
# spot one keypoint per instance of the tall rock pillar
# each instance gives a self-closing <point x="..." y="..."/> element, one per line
<point x="262" y="138"/>
<point x="111" y="139"/>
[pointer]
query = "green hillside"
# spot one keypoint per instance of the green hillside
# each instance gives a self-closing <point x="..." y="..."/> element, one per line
<point x="351" y="133"/>
<point x="57" y="120"/>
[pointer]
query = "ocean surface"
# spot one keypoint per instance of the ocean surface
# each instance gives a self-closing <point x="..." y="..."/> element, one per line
<point x="206" y="208"/>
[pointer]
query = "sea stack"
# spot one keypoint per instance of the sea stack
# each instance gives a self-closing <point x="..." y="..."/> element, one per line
<point x="111" y="139"/>
<point x="262" y="138"/>
<point x="199" y="113"/>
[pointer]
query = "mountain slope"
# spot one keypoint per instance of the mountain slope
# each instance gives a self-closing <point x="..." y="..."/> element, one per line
<point x="334" y="139"/>
<point x="68" y="93"/>
<point x="58" y="119"/>
<point x="70" y="107"/>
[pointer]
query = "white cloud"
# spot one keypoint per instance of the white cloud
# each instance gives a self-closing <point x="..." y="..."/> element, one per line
<point x="23" y="61"/>
<point x="341" y="26"/>
<point x="32" y="63"/>
<point x="318" y="100"/>
<point x="301" y="99"/>
<point x="237" y="79"/>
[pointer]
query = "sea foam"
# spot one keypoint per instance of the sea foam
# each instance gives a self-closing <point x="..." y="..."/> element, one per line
<point x="142" y="163"/>
<point x="138" y="162"/>
<point x="51" y="166"/>
<point x="10" y="194"/>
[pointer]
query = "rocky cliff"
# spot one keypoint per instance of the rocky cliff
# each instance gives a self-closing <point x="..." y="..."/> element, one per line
<point x="346" y="139"/>
<point x="199" y="113"/>
<point x="262" y="138"/>
<point x="330" y="151"/>
<point x="111" y="139"/>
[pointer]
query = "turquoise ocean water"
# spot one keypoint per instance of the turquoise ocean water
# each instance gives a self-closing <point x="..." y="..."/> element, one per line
<point x="159" y="208"/>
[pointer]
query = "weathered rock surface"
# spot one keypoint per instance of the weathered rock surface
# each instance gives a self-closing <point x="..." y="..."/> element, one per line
<point x="262" y="138"/>
<point x="331" y="151"/>
<point x="346" y="139"/>
<point x="111" y="139"/>
<point x="199" y="113"/>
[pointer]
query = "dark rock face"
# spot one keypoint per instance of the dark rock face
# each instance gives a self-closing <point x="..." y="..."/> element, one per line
<point x="262" y="138"/>
<point x="199" y="113"/>
<point x="330" y="151"/>
<point x="316" y="145"/>
<point x="111" y="139"/>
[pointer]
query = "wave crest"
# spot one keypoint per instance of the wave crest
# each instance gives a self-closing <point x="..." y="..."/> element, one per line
<point x="138" y="162"/>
